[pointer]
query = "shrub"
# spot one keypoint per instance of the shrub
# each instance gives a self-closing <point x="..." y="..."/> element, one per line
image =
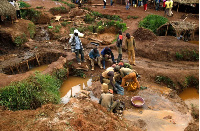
<point x="23" y="5"/>
<point x="61" y="74"/>
<point x="64" y="24"/>
<point x="88" y="18"/>
<point x="153" y="22"/>
<point x="31" y="93"/>
<point x="31" y="29"/>
<point x="134" y="17"/>
<point x="19" y="40"/>
<point x="30" y="14"/>
<point x="191" y="81"/>
<point x="187" y="55"/>
<point x="166" y="80"/>
<point x="58" y="10"/>
<point x="57" y="29"/>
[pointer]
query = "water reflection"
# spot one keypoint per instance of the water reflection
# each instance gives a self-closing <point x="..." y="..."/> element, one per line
<point x="72" y="86"/>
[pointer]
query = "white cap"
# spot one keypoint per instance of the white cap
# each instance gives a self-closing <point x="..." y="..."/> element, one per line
<point x="76" y="31"/>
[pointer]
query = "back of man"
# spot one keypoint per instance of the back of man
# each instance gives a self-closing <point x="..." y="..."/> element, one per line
<point x="130" y="43"/>
<point x="125" y="71"/>
<point x="106" y="100"/>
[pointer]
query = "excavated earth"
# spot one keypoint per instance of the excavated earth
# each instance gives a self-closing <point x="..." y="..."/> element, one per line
<point x="155" y="56"/>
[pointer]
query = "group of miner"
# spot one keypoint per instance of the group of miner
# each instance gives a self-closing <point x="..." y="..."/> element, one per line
<point x="113" y="79"/>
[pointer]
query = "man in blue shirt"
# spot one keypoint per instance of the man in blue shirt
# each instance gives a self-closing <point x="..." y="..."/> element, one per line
<point x="77" y="47"/>
<point x="106" y="53"/>
<point x="94" y="56"/>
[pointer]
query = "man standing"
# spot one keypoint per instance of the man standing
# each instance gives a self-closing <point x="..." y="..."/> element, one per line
<point x="17" y="9"/>
<point x="106" y="53"/>
<point x="170" y="7"/>
<point x="145" y="4"/>
<point x="167" y="7"/>
<point x="76" y="46"/>
<point x="104" y="2"/>
<point x="127" y="4"/>
<point x="130" y="46"/>
<point x="119" y="46"/>
<point x="94" y="56"/>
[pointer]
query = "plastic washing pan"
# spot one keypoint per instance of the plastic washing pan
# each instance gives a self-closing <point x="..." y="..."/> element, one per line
<point x="137" y="101"/>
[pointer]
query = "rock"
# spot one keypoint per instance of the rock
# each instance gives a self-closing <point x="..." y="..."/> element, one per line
<point x="167" y="117"/>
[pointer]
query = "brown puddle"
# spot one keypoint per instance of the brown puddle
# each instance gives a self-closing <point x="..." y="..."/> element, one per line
<point x="40" y="68"/>
<point x="189" y="93"/>
<point x="73" y="85"/>
<point x="194" y="42"/>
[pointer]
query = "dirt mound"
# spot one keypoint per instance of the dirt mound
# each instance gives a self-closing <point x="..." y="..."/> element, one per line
<point x="76" y="12"/>
<point x="144" y="34"/>
<point x="78" y="114"/>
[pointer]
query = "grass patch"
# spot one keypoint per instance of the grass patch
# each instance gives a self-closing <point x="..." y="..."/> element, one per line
<point x="31" y="29"/>
<point x="65" y="23"/>
<point x="19" y="40"/>
<point x="31" y="93"/>
<point x="61" y="74"/>
<point x="58" y="10"/>
<point x="23" y="4"/>
<point x="57" y="29"/>
<point x="187" y="55"/>
<point x="64" y="2"/>
<point x="30" y="14"/>
<point x="39" y="7"/>
<point x="133" y="17"/>
<point x="191" y="81"/>
<point x="166" y="80"/>
<point x="153" y="22"/>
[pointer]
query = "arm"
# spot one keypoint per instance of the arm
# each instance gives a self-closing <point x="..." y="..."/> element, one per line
<point x="100" y="100"/>
<point x="121" y="73"/>
<point x="134" y="43"/>
<point x="91" y="54"/>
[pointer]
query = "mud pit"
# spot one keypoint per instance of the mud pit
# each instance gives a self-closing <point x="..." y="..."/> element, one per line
<point x="154" y="57"/>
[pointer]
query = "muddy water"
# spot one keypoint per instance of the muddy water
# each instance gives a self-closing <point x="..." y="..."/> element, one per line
<point x="189" y="93"/>
<point x="138" y="102"/>
<point x="72" y="86"/>
<point x="190" y="97"/>
<point x="40" y="68"/>
<point x="194" y="42"/>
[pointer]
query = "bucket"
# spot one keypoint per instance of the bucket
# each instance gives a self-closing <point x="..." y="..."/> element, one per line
<point x="137" y="101"/>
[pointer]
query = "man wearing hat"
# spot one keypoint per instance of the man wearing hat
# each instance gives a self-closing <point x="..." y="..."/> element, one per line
<point x="76" y="46"/>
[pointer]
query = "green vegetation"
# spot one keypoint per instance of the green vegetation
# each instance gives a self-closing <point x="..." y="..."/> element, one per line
<point x="61" y="74"/>
<point x="79" y="73"/>
<point x="187" y="55"/>
<point x="39" y="7"/>
<point x="134" y="17"/>
<point x="64" y="23"/>
<point x="89" y="18"/>
<point x="58" y="10"/>
<point x="191" y="81"/>
<point x="23" y="4"/>
<point x="19" y="40"/>
<point x="30" y="14"/>
<point x="31" y="29"/>
<point x="31" y="93"/>
<point x="57" y="29"/>
<point x="153" y="22"/>
<point x="166" y="80"/>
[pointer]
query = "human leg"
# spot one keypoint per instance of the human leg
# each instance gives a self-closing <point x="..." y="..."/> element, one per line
<point x="115" y="105"/>
<point x="129" y="56"/>
<point x="133" y="56"/>
<point x="103" y="61"/>
<point x="99" y="62"/>
<point x="77" y="56"/>
<point x="82" y="55"/>
<point x="112" y="56"/>
<point x="92" y="63"/>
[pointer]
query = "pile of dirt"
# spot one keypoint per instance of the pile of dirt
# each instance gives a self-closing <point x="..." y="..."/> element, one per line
<point x="144" y="34"/>
<point x="78" y="114"/>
